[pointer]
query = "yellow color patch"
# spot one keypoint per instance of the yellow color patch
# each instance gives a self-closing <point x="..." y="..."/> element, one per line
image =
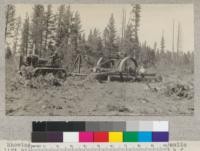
<point x="115" y="136"/>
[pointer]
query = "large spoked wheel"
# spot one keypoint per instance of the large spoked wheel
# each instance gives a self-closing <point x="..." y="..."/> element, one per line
<point x="128" y="67"/>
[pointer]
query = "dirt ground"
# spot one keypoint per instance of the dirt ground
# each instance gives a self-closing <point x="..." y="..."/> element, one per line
<point x="86" y="96"/>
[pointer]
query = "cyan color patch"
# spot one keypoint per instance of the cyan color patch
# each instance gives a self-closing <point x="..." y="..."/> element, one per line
<point x="144" y="136"/>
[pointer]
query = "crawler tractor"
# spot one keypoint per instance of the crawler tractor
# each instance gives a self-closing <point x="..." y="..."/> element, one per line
<point x="33" y="66"/>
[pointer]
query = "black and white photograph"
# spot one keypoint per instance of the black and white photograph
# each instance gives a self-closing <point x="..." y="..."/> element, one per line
<point x="99" y="59"/>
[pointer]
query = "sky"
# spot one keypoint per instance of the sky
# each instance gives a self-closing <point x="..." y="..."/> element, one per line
<point x="155" y="20"/>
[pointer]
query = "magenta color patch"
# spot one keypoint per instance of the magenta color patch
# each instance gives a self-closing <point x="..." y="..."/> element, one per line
<point x="85" y="136"/>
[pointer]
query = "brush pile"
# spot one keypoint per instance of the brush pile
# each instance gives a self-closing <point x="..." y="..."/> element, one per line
<point x="38" y="82"/>
<point x="181" y="90"/>
<point x="177" y="89"/>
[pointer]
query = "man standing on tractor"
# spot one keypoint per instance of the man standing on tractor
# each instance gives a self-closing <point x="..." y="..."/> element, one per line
<point x="55" y="59"/>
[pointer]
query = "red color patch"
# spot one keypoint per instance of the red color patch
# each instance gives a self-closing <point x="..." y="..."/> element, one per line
<point x="100" y="136"/>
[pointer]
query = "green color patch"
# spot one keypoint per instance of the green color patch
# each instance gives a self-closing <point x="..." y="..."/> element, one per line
<point x="130" y="136"/>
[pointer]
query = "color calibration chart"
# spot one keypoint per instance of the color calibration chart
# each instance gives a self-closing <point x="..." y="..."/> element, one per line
<point x="100" y="132"/>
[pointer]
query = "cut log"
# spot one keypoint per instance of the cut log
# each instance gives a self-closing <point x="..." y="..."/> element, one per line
<point x="78" y="74"/>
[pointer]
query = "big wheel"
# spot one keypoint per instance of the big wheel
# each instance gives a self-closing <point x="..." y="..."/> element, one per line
<point x="127" y="67"/>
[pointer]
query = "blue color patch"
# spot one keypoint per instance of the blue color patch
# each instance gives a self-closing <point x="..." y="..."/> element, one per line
<point x="144" y="136"/>
<point x="160" y="136"/>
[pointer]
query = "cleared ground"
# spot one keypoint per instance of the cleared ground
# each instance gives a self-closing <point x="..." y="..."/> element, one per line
<point x="87" y="96"/>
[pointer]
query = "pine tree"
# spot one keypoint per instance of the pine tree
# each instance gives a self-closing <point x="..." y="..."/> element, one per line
<point x="136" y="9"/>
<point x="93" y="47"/>
<point x="129" y="40"/>
<point x="49" y="30"/>
<point x="95" y="43"/>
<point x="10" y="21"/>
<point x="179" y="43"/>
<point x="64" y="33"/>
<point x="105" y="42"/>
<point x="37" y="30"/>
<point x="110" y="37"/>
<point x="123" y="25"/>
<point x="137" y="21"/>
<point x="173" y="40"/>
<point x="68" y="34"/>
<point x="75" y="34"/>
<point x="25" y="37"/>
<point x="60" y="25"/>
<point x="16" y="34"/>
<point x="63" y="26"/>
<point x="162" y="44"/>
<point x="68" y="25"/>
